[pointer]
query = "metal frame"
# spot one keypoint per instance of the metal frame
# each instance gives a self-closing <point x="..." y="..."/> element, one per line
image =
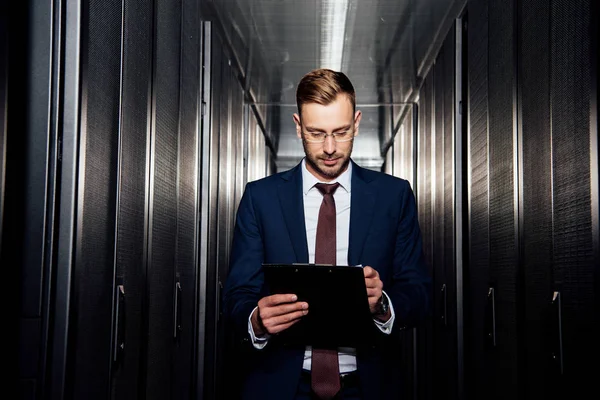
<point x="118" y="288"/>
<point x="68" y="203"/>
<point x="204" y="177"/>
<point x="246" y="145"/>
<point x="429" y="60"/>
<point x="38" y="142"/>
<point x="147" y="187"/>
<point x="519" y="206"/>
<point x="53" y="189"/>
<point x="414" y="143"/>
<point x="459" y="202"/>
<point x="595" y="144"/>
<point x="242" y="74"/>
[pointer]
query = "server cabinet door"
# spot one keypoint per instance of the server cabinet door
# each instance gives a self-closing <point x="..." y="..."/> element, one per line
<point x="230" y="155"/>
<point x="559" y="192"/>
<point x="186" y="302"/>
<point x="571" y="325"/>
<point x="27" y="173"/>
<point x="127" y="345"/>
<point x="476" y="272"/>
<point x="403" y="167"/>
<point x="91" y="314"/>
<point x="444" y="252"/>
<point x="212" y="171"/>
<point x="536" y="205"/>
<point x="491" y="358"/>
<point x="502" y="313"/>
<point x="425" y="137"/>
<point x="161" y="287"/>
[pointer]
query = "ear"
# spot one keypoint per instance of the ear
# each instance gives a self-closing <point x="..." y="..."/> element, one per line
<point x="357" y="117"/>
<point x="298" y="125"/>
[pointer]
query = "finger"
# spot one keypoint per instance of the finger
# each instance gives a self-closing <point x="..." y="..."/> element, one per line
<point x="373" y="293"/>
<point x="370" y="283"/>
<point x="276" y="299"/>
<point x="281" y="328"/>
<point x="368" y="271"/>
<point x="275" y="324"/>
<point x="282" y="309"/>
<point x="373" y="283"/>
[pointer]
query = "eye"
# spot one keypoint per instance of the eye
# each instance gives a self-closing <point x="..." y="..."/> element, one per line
<point x="342" y="135"/>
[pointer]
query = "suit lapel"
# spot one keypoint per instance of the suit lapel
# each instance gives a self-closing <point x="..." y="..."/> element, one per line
<point x="362" y="203"/>
<point x="292" y="206"/>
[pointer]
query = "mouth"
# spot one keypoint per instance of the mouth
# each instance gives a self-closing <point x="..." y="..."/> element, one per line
<point x="330" y="162"/>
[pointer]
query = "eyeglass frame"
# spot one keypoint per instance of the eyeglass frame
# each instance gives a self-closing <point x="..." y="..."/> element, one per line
<point x="325" y="135"/>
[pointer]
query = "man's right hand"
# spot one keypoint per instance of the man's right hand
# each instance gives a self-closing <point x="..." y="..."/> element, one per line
<point x="276" y="313"/>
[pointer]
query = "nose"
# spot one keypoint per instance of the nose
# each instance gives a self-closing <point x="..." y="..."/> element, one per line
<point x="329" y="145"/>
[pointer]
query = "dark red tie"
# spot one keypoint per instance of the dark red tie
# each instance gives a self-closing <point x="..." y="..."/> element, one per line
<point x="325" y="374"/>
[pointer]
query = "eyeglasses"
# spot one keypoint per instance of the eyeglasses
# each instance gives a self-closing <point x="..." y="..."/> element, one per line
<point x="319" y="137"/>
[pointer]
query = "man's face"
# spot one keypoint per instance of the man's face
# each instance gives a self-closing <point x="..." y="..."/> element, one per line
<point x="329" y="159"/>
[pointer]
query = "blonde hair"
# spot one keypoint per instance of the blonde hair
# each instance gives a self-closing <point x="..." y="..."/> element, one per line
<point x="322" y="86"/>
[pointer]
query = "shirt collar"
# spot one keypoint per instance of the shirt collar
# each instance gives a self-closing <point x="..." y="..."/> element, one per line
<point x="309" y="180"/>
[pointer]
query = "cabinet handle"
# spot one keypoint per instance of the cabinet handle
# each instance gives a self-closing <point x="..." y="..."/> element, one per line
<point x="557" y="349"/>
<point x="490" y="315"/>
<point x="119" y="327"/>
<point x="177" y="319"/>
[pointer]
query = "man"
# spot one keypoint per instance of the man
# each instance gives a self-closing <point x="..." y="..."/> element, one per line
<point x="326" y="210"/>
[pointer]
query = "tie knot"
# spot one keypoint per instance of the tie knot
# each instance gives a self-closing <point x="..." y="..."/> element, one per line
<point x="327" y="188"/>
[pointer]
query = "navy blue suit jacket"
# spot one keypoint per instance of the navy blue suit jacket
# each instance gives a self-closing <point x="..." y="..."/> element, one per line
<point x="384" y="234"/>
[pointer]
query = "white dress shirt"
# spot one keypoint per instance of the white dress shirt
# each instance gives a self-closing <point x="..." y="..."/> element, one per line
<point x="312" y="203"/>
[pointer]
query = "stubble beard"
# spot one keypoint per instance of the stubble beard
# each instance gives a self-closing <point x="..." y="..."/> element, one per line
<point x="311" y="159"/>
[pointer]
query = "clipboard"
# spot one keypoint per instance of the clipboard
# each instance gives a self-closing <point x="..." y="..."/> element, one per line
<point x="338" y="308"/>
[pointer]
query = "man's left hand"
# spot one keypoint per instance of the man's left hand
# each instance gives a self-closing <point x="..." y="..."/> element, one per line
<point x="374" y="291"/>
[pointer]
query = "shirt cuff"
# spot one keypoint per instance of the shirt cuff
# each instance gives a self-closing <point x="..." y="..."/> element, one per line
<point x="386" y="327"/>
<point x="257" y="342"/>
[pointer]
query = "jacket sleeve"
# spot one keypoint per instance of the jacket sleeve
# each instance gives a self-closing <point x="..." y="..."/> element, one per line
<point x="244" y="284"/>
<point x="411" y="284"/>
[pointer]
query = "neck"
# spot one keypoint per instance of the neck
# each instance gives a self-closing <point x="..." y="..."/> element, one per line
<point x="324" y="178"/>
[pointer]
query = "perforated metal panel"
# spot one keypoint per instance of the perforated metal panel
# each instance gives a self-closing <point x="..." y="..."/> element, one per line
<point x="239" y="136"/>
<point x="536" y="221"/>
<point x="163" y="200"/>
<point x="449" y="182"/>
<point x="226" y="171"/>
<point x="449" y="326"/>
<point x="212" y="291"/>
<point x="257" y="149"/>
<point x="424" y="208"/>
<point x="409" y="146"/>
<point x="573" y="255"/>
<point x="401" y="159"/>
<point x="502" y="194"/>
<point x="424" y="171"/>
<point x="476" y="273"/>
<point x="129" y="372"/>
<point x="230" y="189"/>
<point x="437" y="180"/>
<point x="187" y="206"/>
<point x="94" y="251"/>
<point x="440" y="359"/>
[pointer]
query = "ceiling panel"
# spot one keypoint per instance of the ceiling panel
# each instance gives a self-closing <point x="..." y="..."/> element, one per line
<point x="387" y="45"/>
